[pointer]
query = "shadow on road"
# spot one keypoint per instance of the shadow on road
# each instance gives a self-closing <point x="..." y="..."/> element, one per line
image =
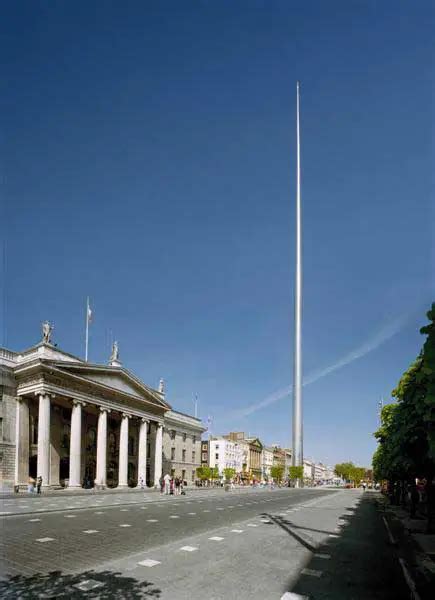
<point x="356" y="563"/>
<point x="90" y="584"/>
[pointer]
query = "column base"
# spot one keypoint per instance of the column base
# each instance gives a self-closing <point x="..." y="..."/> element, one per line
<point x="122" y="485"/>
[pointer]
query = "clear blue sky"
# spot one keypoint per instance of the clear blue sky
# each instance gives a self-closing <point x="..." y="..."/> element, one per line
<point x="148" y="160"/>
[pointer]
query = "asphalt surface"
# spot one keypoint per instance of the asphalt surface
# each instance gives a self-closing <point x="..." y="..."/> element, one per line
<point x="261" y="544"/>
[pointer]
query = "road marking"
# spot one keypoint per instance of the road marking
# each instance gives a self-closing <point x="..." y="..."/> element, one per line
<point x="99" y="512"/>
<point x="144" y="507"/>
<point x="312" y="572"/>
<point x="90" y="531"/>
<point x="332" y="535"/>
<point x="152" y="520"/>
<point x="206" y="510"/>
<point x="320" y="555"/>
<point x="191" y="513"/>
<point x="220" y="509"/>
<point x="390" y="535"/>
<point x="230" y="506"/>
<point x="33" y="520"/>
<point x="188" y="548"/>
<point x="216" y="538"/>
<point x="5" y="513"/>
<point x="252" y="525"/>
<point x="409" y="580"/>
<point x="70" y="516"/>
<point x="149" y="562"/>
<point x="125" y="525"/>
<point x="46" y="539"/>
<point x="265" y="521"/>
<point x="293" y="596"/>
<point x="123" y="510"/>
<point x="236" y="530"/>
<point x="174" y="517"/>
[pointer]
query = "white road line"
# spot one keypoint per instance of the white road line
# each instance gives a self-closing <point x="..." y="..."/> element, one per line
<point x="216" y="538"/>
<point x="152" y="520"/>
<point x="143" y="507"/>
<point x="123" y="510"/>
<point x="220" y="508"/>
<point x="332" y="535"/>
<point x="311" y="572"/>
<point x="191" y="513"/>
<point x="149" y="562"/>
<point x="46" y="539"/>
<point x="33" y="520"/>
<point x="188" y="548"/>
<point x="70" y="516"/>
<point x="252" y="525"/>
<point x="206" y="510"/>
<point x="99" y="512"/>
<point x="90" y="531"/>
<point x="320" y="555"/>
<point x="174" y="517"/>
<point x="236" y="530"/>
<point x="125" y="525"/>
<point x="5" y="513"/>
<point x="293" y="596"/>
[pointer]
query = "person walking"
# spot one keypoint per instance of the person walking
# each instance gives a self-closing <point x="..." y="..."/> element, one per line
<point x="177" y="484"/>
<point x="38" y="485"/>
<point x="162" y="484"/>
<point x="167" y="479"/>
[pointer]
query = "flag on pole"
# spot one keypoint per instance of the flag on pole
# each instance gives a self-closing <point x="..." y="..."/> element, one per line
<point x="88" y="321"/>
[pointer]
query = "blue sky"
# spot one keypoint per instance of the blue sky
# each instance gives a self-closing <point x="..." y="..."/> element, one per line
<point x="148" y="160"/>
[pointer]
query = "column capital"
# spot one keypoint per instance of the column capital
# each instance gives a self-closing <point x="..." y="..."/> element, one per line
<point x="78" y="402"/>
<point x="144" y="420"/>
<point x="126" y="415"/>
<point x="43" y="393"/>
<point x="105" y="409"/>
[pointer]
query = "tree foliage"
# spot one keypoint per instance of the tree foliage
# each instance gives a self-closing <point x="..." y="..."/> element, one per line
<point x="350" y="472"/>
<point x="406" y="435"/>
<point x="277" y="472"/>
<point x="229" y="473"/>
<point x="203" y="472"/>
<point x="296" y="472"/>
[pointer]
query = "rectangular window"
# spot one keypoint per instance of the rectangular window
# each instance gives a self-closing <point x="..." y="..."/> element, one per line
<point x="217" y="456"/>
<point x="172" y="472"/>
<point x="193" y="475"/>
<point x="204" y="456"/>
<point x="172" y="453"/>
<point x="173" y="432"/>
<point x="183" y="474"/>
<point x="184" y="437"/>
<point x="183" y="456"/>
<point x="194" y="439"/>
<point x="193" y="456"/>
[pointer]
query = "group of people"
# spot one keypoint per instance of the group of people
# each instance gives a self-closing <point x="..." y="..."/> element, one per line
<point x="172" y="485"/>
<point x="34" y="483"/>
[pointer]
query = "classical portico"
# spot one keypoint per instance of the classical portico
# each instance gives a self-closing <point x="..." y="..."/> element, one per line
<point x="79" y="423"/>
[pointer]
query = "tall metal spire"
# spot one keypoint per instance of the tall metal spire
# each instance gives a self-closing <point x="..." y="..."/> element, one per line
<point x="297" y="438"/>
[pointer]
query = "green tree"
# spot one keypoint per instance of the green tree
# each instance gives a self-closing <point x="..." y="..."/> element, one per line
<point x="277" y="472"/>
<point x="296" y="472"/>
<point x="229" y="473"/>
<point x="214" y="473"/>
<point x="203" y="473"/>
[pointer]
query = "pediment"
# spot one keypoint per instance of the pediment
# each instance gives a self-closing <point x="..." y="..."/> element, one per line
<point x="115" y="378"/>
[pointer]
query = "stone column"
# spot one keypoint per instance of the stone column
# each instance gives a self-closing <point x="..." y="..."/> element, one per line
<point x="22" y="442"/>
<point x="142" y="453"/>
<point x="75" y="445"/>
<point x="43" y="461"/>
<point x="158" y="454"/>
<point x="100" y="478"/>
<point x="123" y="452"/>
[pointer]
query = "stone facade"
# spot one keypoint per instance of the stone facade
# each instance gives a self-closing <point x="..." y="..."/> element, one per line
<point x="74" y="423"/>
<point x="182" y="445"/>
<point x="225" y="454"/>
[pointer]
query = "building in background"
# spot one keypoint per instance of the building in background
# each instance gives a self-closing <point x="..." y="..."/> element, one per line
<point x="182" y="445"/>
<point x="224" y="453"/>
<point x="204" y="453"/>
<point x="266" y="461"/>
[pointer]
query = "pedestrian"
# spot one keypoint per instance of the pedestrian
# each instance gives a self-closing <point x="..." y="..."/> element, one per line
<point x="31" y="485"/>
<point x="141" y="483"/>
<point x="171" y="486"/>
<point x="167" y="479"/>
<point x="38" y="485"/>
<point x="162" y="484"/>
<point x="177" y="483"/>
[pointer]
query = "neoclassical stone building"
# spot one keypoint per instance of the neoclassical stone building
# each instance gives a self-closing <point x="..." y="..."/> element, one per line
<point x="74" y="423"/>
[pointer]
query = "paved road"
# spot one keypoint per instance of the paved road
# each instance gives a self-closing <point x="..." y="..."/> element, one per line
<point x="259" y="544"/>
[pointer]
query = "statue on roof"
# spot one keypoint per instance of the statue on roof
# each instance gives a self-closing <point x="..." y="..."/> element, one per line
<point x="115" y="352"/>
<point x="162" y="386"/>
<point x="47" y="329"/>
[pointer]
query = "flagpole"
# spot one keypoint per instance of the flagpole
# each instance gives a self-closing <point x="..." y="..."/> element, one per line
<point x="297" y="457"/>
<point x="87" y="329"/>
